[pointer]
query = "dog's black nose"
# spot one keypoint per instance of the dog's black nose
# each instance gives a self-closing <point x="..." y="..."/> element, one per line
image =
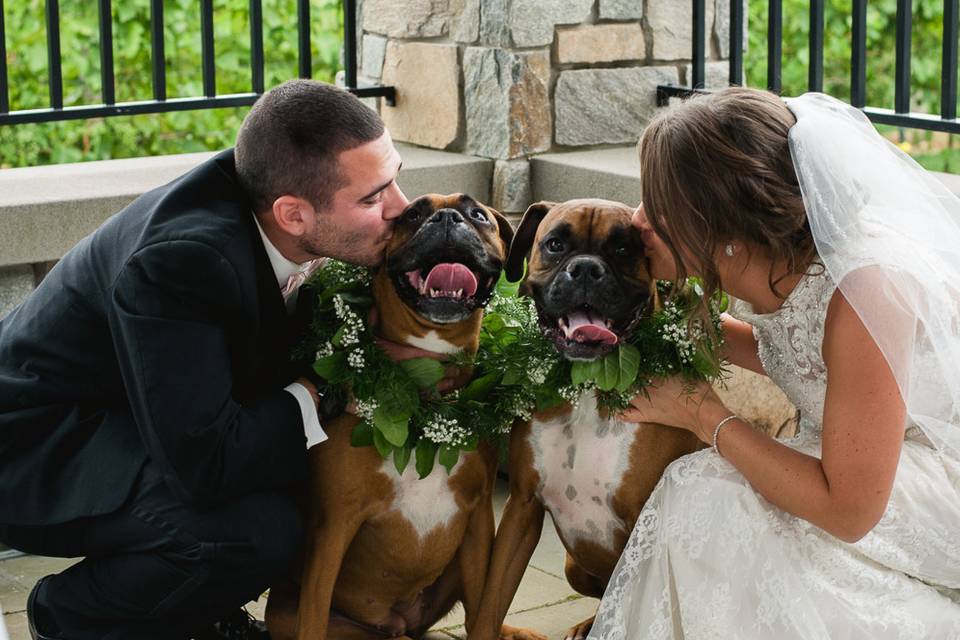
<point x="446" y="217"/>
<point x="586" y="268"/>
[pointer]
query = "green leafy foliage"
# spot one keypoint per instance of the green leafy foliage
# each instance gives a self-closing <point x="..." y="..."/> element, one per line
<point x="516" y="369"/>
<point x="152" y="134"/>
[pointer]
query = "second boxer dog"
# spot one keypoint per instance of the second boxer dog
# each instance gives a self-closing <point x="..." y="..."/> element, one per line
<point x="593" y="473"/>
<point x="388" y="555"/>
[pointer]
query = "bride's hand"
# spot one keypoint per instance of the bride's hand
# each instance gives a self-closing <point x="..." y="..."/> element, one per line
<point x="676" y="402"/>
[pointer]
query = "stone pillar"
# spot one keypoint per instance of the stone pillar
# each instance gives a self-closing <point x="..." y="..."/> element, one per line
<point x="508" y="79"/>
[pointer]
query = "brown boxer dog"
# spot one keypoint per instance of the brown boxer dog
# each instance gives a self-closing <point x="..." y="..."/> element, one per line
<point x="590" y="280"/>
<point x="388" y="555"/>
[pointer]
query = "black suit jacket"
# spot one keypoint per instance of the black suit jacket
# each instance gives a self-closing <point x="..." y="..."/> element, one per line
<point x="161" y="336"/>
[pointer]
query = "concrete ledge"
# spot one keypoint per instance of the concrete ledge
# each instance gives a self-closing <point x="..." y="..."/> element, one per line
<point x="44" y="211"/>
<point x="612" y="173"/>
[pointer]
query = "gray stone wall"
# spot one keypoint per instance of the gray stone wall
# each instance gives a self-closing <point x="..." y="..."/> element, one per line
<point x="510" y="79"/>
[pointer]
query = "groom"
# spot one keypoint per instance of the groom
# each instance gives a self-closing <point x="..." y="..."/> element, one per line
<point x="150" y="418"/>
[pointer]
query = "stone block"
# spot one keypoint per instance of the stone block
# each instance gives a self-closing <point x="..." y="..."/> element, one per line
<point x="621" y="9"/>
<point x="600" y="43"/>
<point x="511" y="186"/>
<point x="716" y="75"/>
<point x="602" y="106"/>
<point x="507" y="102"/>
<point x="465" y="20"/>
<point x="428" y="93"/>
<point x="671" y="26"/>
<point x="495" y="23"/>
<point x="16" y="283"/>
<point x="373" y="51"/>
<point x="408" y="19"/>
<point x="721" y="26"/>
<point x="532" y="22"/>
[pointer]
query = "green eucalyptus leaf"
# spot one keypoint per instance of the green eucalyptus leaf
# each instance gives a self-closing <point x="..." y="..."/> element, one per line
<point x="480" y="387"/>
<point x="629" y="361"/>
<point x="426" y="453"/>
<point x="448" y="457"/>
<point x="332" y="368"/>
<point x="337" y="339"/>
<point x="362" y="435"/>
<point x="383" y="447"/>
<point x="401" y="458"/>
<point x="609" y="372"/>
<point x="393" y="426"/>
<point x="426" y="372"/>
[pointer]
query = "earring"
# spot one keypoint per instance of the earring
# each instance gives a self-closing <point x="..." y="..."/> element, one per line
<point x="728" y="250"/>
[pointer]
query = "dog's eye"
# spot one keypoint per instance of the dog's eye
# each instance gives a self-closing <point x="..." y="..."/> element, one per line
<point x="412" y="215"/>
<point x="555" y="245"/>
<point x="623" y="251"/>
<point x="477" y="215"/>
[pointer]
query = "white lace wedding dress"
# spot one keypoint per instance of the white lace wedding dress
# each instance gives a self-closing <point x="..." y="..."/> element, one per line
<point x="710" y="558"/>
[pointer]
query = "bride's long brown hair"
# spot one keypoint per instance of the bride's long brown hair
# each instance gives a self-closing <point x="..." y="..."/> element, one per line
<point x="717" y="168"/>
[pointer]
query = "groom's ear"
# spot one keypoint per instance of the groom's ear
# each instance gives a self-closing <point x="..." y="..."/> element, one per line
<point x="523" y="238"/>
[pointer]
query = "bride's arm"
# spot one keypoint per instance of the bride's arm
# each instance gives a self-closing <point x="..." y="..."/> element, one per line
<point x="864" y="419"/>
<point x="739" y="345"/>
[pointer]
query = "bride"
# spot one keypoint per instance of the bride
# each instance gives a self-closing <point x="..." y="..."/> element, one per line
<point x="843" y="257"/>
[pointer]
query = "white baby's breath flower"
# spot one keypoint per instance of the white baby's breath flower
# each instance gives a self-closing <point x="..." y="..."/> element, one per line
<point x="445" y="431"/>
<point x="355" y="359"/>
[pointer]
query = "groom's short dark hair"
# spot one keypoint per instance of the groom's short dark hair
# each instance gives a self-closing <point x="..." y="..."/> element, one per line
<point x="290" y="141"/>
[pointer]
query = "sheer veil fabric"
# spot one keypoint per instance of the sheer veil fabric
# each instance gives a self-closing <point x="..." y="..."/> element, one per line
<point x="888" y="234"/>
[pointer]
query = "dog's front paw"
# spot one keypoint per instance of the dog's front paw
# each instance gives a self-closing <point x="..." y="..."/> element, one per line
<point x="518" y="633"/>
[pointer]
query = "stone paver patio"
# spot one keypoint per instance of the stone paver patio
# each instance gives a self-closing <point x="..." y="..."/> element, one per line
<point x="545" y="601"/>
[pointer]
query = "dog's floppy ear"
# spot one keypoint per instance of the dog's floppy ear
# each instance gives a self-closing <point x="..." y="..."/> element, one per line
<point x="523" y="238"/>
<point x="506" y="229"/>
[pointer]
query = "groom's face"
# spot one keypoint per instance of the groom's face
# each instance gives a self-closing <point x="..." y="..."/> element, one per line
<point x="357" y="224"/>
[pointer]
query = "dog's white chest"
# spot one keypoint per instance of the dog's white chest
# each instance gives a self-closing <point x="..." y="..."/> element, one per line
<point x="581" y="459"/>
<point x="426" y="504"/>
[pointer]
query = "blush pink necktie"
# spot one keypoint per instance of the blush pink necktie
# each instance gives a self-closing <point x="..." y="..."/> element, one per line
<point x="298" y="278"/>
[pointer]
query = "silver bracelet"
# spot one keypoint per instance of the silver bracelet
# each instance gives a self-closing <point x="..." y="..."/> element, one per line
<point x="716" y="430"/>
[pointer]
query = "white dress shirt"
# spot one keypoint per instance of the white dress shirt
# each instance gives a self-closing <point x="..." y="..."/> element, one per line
<point x="283" y="269"/>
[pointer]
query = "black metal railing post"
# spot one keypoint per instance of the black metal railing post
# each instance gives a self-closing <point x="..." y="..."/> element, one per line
<point x="736" y="43"/>
<point x="858" y="55"/>
<point x="948" y="83"/>
<point x="106" y="53"/>
<point x="256" y="46"/>
<point x="815" y="73"/>
<point x="207" y="49"/>
<point x="349" y="46"/>
<point x="55" y="77"/>
<point x="4" y="87"/>
<point x="774" y="44"/>
<point x="699" y="44"/>
<point x="158" y="54"/>
<point x="303" y="32"/>
<point x="901" y="100"/>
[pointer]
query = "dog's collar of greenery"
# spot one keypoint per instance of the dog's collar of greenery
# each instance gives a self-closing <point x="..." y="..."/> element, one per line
<point x="517" y="371"/>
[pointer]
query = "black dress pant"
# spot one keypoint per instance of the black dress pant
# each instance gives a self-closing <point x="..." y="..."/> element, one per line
<point x="159" y="569"/>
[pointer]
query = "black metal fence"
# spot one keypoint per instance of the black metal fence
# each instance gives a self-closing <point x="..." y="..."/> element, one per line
<point x="900" y="115"/>
<point x="160" y="103"/>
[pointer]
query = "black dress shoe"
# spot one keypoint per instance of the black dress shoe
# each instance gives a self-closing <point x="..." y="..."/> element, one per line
<point x="38" y="620"/>
<point x="239" y="625"/>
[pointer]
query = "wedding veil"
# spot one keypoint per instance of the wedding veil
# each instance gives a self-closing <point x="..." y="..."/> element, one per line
<point x="888" y="234"/>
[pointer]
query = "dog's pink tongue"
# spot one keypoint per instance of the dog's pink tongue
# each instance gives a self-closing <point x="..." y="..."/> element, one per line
<point x="452" y="277"/>
<point x="586" y="326"/>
